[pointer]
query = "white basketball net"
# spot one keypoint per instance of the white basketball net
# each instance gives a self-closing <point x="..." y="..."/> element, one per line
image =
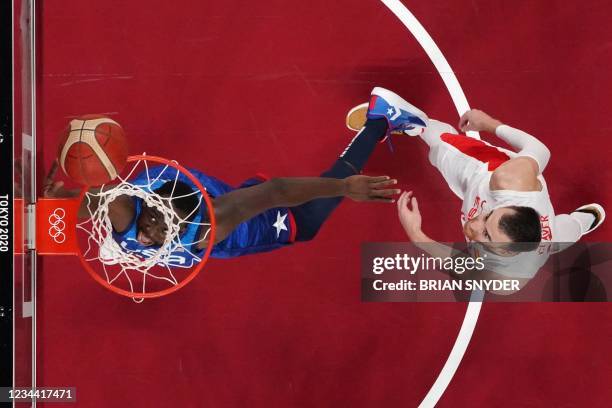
<point x="137" y="267"/>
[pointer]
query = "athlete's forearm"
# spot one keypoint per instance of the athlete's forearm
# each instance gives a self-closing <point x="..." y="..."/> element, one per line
<point x="524" y="144"/>
<point x="293" y="191"/>
<point x="435" y="249"/>
<point x="432" y="247"/>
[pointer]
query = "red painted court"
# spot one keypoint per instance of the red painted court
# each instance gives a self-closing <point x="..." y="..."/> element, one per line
<point x="238" y="87"/>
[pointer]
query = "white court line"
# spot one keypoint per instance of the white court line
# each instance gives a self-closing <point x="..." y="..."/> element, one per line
<point x="461" y="104"/>
<point x="457" y="352"/>
<point x="434" y="54"/>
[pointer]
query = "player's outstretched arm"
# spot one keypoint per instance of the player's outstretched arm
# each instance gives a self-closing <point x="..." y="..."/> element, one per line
<point x="520" y="173"/>
<point x="240" y="205"/>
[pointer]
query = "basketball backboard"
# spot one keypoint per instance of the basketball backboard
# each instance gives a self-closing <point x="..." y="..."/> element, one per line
<point x="24" y="190"/>
<point x="6" y="188"/>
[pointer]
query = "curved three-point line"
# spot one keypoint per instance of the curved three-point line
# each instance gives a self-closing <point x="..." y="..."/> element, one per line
<point x="461" y="104"/>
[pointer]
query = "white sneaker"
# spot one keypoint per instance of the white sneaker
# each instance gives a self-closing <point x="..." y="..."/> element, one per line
<point x="594" y="209"/>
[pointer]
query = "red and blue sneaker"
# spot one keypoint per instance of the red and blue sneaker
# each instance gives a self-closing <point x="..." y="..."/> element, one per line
<point x="401" y="116"/>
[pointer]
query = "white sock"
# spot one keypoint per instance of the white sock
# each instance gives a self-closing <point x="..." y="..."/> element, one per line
<point x="584" y="219"/>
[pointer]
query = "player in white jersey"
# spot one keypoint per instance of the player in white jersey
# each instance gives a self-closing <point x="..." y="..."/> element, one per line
<point x="499" y="189"/>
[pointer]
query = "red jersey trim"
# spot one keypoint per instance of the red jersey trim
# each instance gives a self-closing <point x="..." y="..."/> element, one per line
<point x="477" y="149"/>
<point x="293" y="226"/>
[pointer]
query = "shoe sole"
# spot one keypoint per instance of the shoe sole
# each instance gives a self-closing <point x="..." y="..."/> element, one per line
<point x="356" y="118"/>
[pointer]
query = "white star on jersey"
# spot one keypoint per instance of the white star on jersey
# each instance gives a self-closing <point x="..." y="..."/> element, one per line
<point x="390" y="111"/>
<point x="280" y="224"/>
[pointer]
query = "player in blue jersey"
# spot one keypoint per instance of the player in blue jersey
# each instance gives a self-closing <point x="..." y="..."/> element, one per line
<point x="261" y="215"/>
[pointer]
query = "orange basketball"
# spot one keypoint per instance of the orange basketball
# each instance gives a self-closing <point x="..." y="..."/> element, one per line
<point x="93" y="150"/>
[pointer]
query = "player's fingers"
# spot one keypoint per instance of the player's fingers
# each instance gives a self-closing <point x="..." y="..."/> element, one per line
<point x="471" y="126"/>
<point x="57" y="185"/>
<point x="52" y="189"/>
<point x="378" y="179"/>
<point x="405" y="207"/>
<point x="401" y="201"/>
<point x="415" y="204"/>
<point x="382" y="200"/>
<point x="384" y="183"/>
<point x="467" y="126"/>
<point x="386" y="192"/>
<point x="463" y="120"/>
<point x="409" y="205"/>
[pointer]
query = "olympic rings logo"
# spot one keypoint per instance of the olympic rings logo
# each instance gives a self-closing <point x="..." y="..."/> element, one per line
<point x="56" y="230"/>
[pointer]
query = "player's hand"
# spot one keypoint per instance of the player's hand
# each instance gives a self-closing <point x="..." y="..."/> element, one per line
<point x="52" y="188"/>
<point x="410" y="218"/>
<point x="478" y="121"/>
<point x="365" y="188"/>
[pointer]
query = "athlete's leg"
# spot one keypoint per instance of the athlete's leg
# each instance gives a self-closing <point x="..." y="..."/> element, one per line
<point x="386" y="112"/>
<point x="354" y="157"/>
<point x="455" y="161"/>
<point x="583" y="220"/>
<point x="431" y="134"/>
<point x="310" y="216"/>
<point x="567" y="228"/>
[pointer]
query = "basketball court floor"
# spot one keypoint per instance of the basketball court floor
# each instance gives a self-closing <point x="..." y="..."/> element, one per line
<point x="234" y="88"/>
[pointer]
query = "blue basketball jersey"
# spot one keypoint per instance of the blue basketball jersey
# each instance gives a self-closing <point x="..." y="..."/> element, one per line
<point x="267" y="231"/>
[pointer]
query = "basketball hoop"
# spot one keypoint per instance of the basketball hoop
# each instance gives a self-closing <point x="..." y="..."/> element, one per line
<point x="135" y="272"/>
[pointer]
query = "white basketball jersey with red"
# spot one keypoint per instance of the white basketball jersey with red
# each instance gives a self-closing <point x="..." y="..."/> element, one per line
<point x="478" y="198"/>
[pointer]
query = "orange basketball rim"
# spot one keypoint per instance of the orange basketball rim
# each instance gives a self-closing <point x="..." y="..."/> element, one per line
<point x="51" y="229"/>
